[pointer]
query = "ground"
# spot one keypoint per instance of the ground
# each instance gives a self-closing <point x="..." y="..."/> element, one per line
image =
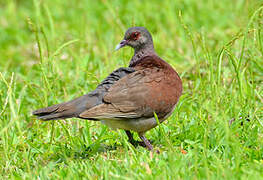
<point x="53" y="51"/>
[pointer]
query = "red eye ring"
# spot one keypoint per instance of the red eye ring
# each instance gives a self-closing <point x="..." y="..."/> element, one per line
<point x="134" y="36"/>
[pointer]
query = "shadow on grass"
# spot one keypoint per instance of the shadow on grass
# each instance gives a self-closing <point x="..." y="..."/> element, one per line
<point x="84" y="152"/>
<point x="95" y="148"/>
<point x="81" y="153"/>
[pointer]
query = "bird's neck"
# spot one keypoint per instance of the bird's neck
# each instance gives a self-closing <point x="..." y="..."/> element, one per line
<point x="141" y="53"/>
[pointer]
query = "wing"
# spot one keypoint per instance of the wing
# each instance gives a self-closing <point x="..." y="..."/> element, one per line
<point x="127" y="98"/>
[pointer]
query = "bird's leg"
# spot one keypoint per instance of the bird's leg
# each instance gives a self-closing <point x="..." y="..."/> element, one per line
<point x="130" y="136"/>
<point x="146" y="142"/>
<point x="134" y="142"/>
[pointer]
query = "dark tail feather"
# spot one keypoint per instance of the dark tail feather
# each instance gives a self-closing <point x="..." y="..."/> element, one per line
<point x="54" y="112"/>
<point x="66" y="110"/>
<point x="58" y="111"/>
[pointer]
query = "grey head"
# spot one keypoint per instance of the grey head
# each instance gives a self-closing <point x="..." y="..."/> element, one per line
<point x="139" y="38"/>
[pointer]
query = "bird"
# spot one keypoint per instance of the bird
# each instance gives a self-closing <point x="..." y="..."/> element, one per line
<point x="130" y="98"/>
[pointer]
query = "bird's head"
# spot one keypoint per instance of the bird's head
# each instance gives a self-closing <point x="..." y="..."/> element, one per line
<point x="137" y="38"/>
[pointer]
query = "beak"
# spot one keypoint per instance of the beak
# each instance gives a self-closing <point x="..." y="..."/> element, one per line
<point x="121" y="45"/>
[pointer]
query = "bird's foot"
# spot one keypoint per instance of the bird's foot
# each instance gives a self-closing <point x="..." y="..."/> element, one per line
<point x="137" y="143"/>
<point x="144" y="143"/>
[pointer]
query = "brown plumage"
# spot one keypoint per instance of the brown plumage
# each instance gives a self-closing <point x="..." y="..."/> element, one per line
<point x="128" y="98"/>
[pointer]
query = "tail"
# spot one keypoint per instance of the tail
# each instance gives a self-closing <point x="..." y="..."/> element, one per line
<point x="67" y="109"/>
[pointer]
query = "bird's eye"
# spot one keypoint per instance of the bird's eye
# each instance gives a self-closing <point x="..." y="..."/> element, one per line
<point x="134" y="36"/>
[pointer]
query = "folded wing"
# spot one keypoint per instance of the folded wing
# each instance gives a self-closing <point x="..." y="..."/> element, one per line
<point x="127" y="98"/>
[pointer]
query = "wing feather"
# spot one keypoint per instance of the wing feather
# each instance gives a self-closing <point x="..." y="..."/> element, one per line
<point x="125" y="99"/>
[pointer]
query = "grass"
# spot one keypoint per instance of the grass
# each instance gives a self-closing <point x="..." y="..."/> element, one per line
<point x="54" y="51"/>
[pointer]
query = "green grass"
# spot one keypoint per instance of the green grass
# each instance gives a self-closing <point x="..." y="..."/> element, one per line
<point x="53" y="51"/>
